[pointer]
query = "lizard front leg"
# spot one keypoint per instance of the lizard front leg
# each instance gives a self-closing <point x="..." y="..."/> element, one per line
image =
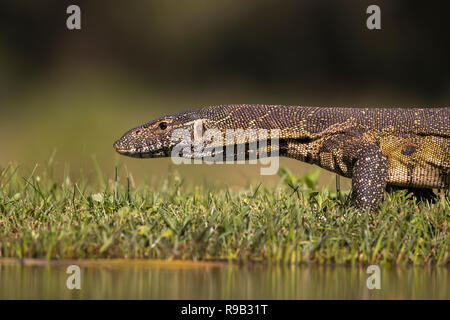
<point x="369" y="177"/>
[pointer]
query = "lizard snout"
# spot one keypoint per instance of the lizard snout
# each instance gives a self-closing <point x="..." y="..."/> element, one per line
<point x="120" y="148"/>
<point x="131" y="146"/>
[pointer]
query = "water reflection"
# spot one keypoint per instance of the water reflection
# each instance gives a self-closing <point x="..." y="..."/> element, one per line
<point x="154" y="280"/>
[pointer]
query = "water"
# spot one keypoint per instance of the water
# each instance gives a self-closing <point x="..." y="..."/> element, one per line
<point x="179" y="280"/>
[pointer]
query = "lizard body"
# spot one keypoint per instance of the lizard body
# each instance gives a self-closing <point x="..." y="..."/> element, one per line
<point x="375" y="147"/>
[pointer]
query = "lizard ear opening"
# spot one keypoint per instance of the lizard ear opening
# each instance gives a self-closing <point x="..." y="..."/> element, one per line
<point x="198" y="130"/>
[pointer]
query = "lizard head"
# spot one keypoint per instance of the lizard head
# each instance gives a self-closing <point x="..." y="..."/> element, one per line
<point x="209" y="127"/>
<point x="155" y="139"/>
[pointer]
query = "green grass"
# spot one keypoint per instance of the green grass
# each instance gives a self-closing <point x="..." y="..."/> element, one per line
<point x="46" y="217"/>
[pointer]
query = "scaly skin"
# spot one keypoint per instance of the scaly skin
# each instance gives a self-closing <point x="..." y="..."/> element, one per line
<point x="376" y="147"/>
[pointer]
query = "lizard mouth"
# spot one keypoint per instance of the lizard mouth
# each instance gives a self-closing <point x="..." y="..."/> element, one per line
<point x="141" y="152"/>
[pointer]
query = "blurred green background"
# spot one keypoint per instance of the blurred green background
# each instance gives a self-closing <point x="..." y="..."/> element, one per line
<point x="68" y="95"/>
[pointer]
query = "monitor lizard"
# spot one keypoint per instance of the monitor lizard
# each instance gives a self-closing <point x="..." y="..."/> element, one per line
<point x="375" y="147"/>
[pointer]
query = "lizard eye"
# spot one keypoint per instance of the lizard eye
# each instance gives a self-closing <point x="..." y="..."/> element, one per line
<point x="163" y="125"/>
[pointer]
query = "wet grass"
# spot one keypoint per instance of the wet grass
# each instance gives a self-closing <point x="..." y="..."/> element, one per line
<point x="46" y="217"/>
